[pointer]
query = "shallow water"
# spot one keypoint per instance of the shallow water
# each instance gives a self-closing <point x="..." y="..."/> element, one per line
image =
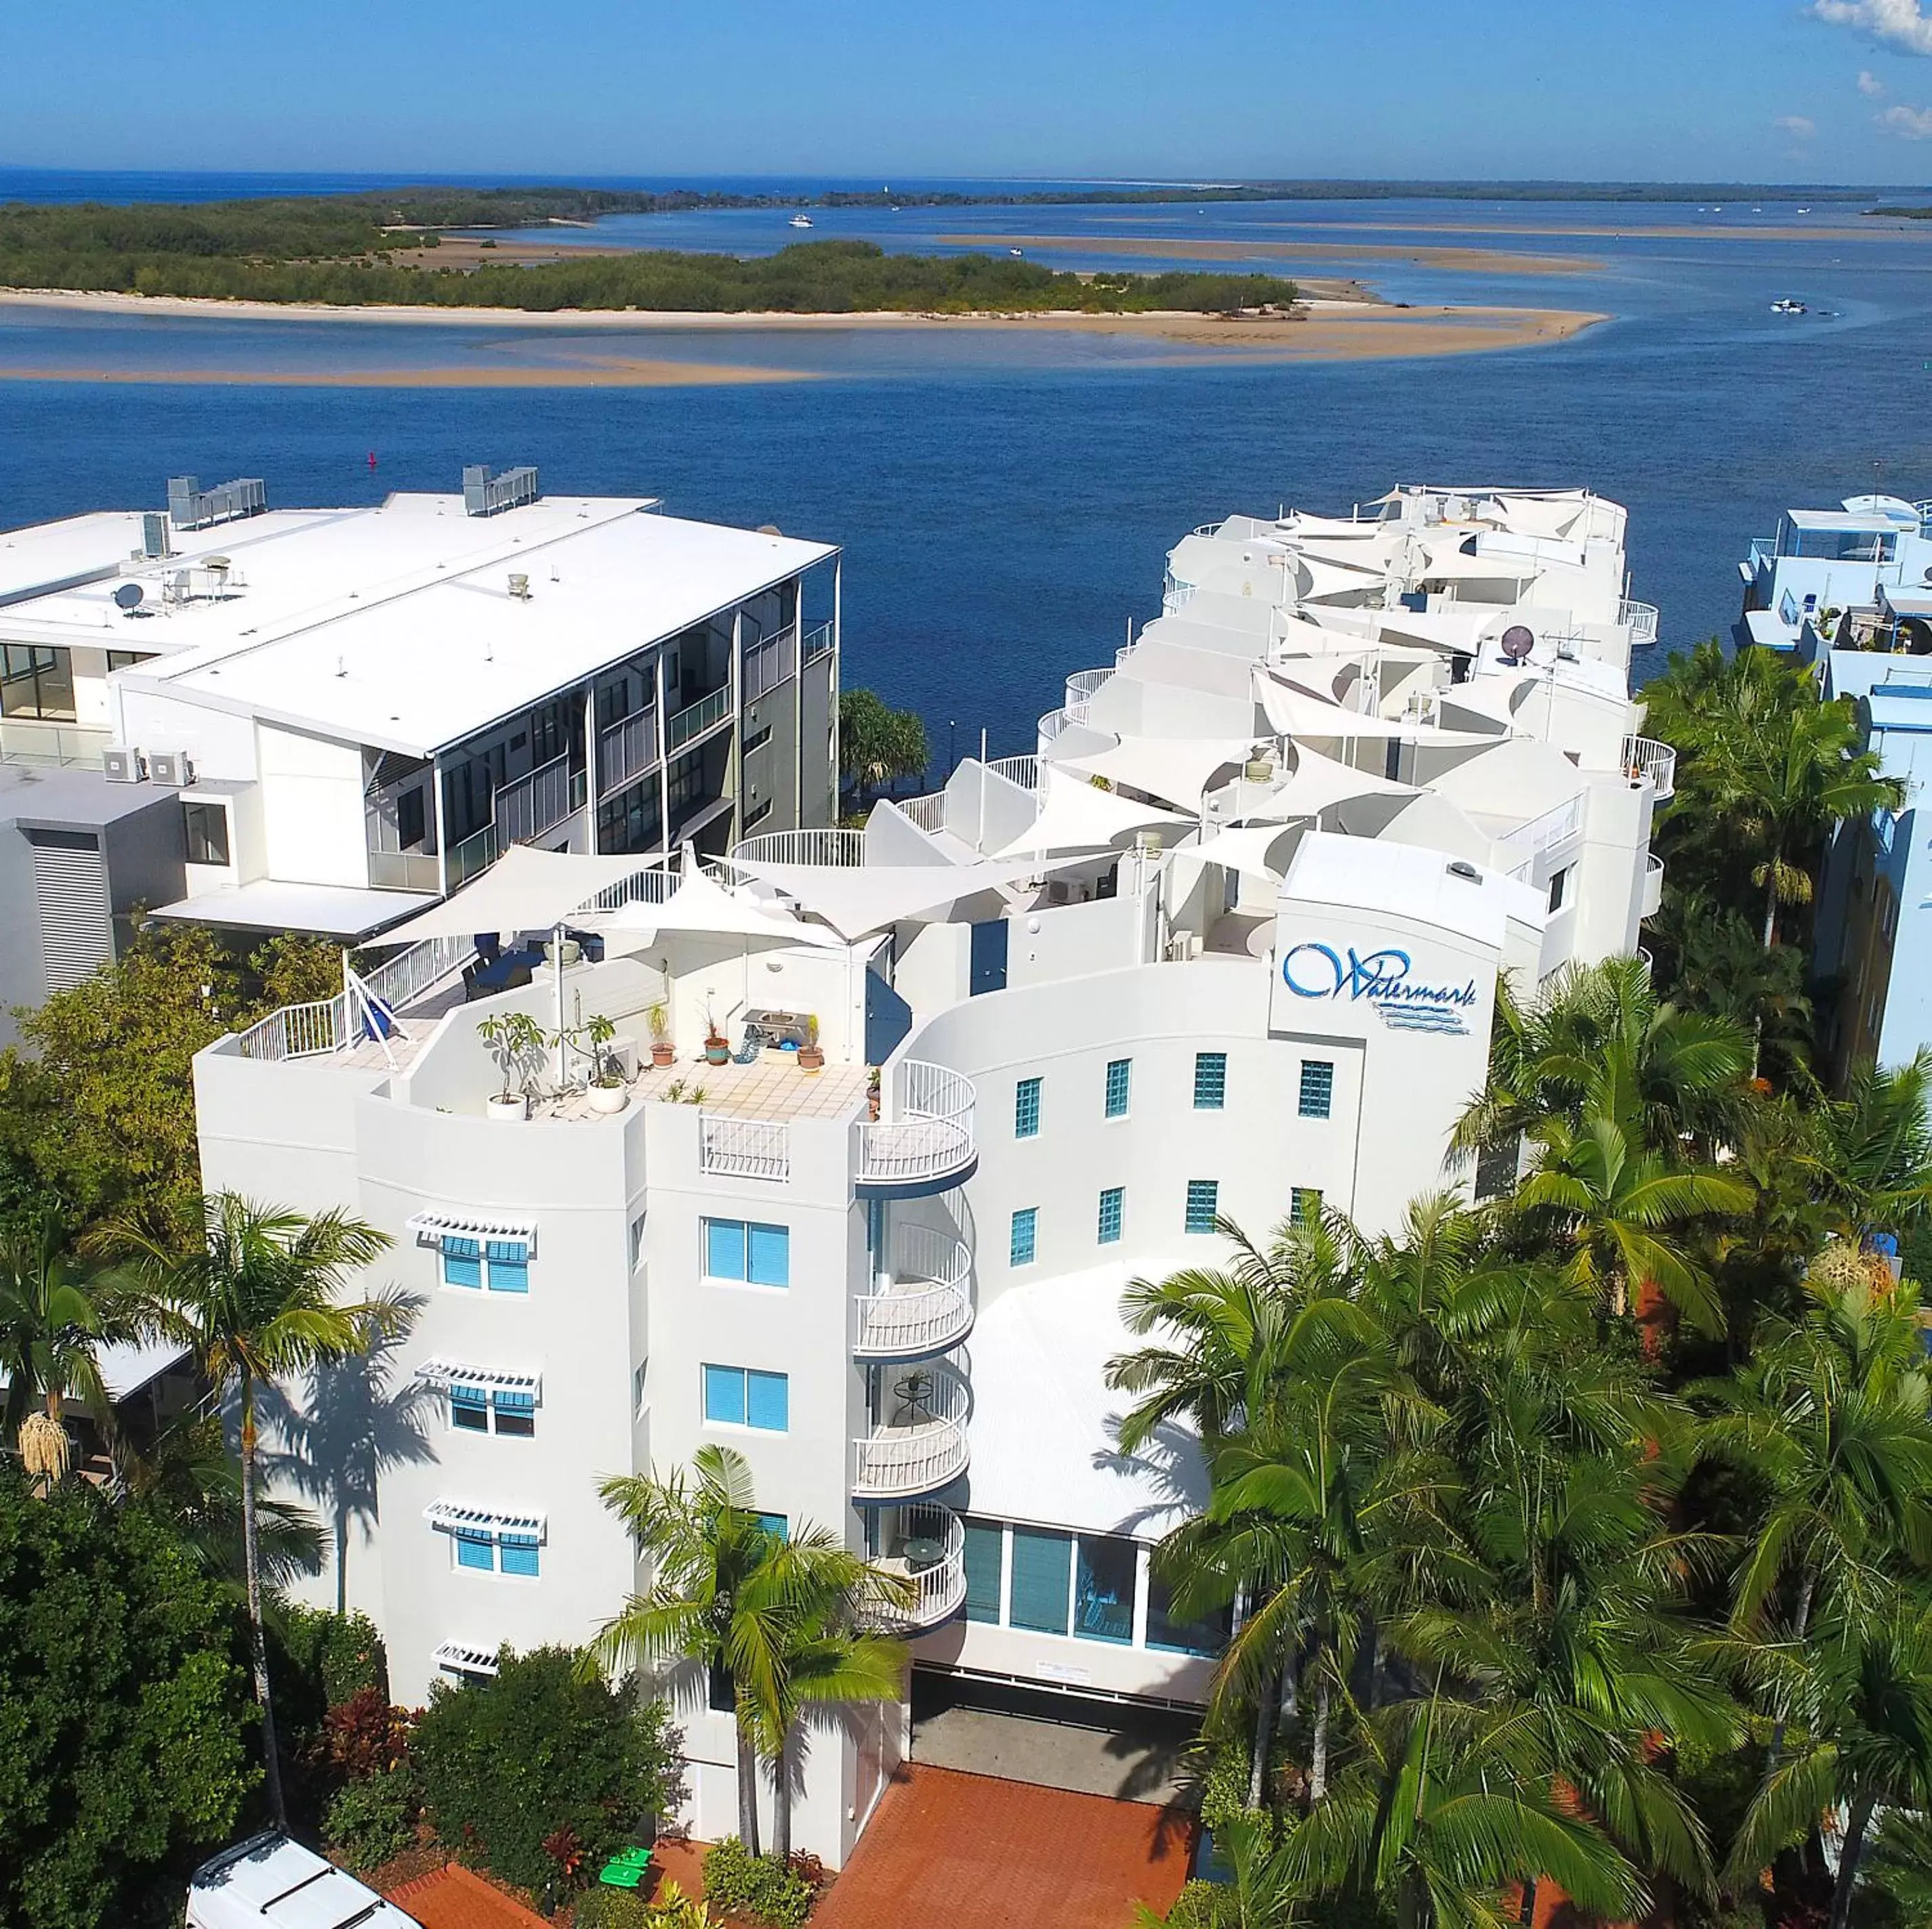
<point x="1005" y="501"/>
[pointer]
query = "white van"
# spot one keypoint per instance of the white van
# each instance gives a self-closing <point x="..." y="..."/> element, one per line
<point x="268" y="1878"/>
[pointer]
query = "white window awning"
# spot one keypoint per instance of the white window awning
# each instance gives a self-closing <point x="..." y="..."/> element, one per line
<point x="449" y="1515"/>
<point x="441" y="1372"/>
<point x="462" y="1658"/>
<point x="432" y="1228"/>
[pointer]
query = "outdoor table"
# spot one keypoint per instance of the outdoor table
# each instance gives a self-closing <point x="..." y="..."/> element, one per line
<point x="921" y="1554"/>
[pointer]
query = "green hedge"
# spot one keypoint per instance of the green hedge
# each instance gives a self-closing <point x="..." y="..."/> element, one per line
<point x="744" y="1884"/>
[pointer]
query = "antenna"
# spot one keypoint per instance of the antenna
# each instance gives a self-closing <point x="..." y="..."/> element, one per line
<point x="1518" y="642"/>
<point x="129" y="597"/>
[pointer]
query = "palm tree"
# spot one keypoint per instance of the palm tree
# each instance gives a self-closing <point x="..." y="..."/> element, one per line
<point x="1718" y="966"/>
<point x="1264" y="1893"/>
<point x="1872" y="1162"/>
<point x="876" y="742"/>
<point x="258" y="1304"/>
<point x="54" y="1318"/>
<point x="1623" y="1212"/>
<point x="728" y="1593"/>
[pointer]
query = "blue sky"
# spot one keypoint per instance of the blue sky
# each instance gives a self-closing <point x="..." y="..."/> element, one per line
<point x="1831" y="90"/>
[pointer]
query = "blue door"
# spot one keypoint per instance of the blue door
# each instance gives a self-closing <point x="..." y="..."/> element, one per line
<point x="989" y="956"/>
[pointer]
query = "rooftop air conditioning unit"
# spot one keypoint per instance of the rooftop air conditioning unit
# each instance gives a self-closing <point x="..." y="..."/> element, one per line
<point x="170" y="768"/>
<point x="120" y="764"/>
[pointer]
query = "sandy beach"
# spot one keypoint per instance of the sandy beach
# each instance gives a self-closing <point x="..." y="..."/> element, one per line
<point x="1462" y="260"/>
<point x="1339" y="330"/>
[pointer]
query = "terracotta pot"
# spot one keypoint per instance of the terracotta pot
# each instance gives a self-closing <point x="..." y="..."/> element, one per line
<point x="717" y="1052"/>
<point x="664" y="1053"/>
<point x="811" y="1058"/>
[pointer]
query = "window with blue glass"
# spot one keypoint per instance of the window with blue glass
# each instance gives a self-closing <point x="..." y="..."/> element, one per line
<point x="1023" y="1244"/>
<point x="1211" y="1081"/>
<point x="1318" y="1088"/>
<point x="742" y="1396"/>
<point x="462" y="1262"/>
<point x="778" y="1525"/>
<point x="1304" y="1204"/>
<point x="1103" y="1589"/>
<point x="985" y="1570"/>
<point x="516" y="1412"/>
<point x="469" y="1409"/>
<point x="1113" y="1203"/>
<point x="1204" y="1202"/>
<point x="476" y="1547"/>
<point x="477" y="1409"/>
<point x="1165" y="1630"/>
<point x="517" y="1554"/>
<point x="1026" y="1109"/>
<point x="744" y="1250"/>
<point x="1119" y="1086"/>
<point x="1042" y="1576"/>
<point x="500" y="1265"/>
<point x="487" y="1549"/>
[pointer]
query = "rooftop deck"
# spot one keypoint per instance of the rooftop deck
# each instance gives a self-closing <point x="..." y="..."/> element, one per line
<point x="759" y="1091"/>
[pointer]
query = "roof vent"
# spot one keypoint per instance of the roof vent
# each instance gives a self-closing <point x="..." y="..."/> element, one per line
<point x="520" y="587"/>
<point x="192" y="507"/>
<point x="484" y="494"/>
<point x="154" y="534"/>
<point x="1462" y="867"/>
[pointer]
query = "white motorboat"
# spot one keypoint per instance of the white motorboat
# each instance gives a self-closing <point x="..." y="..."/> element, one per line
<point x="1788" y="307"/>
<point x="801" y="220"/>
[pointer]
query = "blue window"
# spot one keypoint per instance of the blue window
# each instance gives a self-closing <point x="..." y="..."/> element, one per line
<point x="516" y="1412"/>
<point x="1206" y="1636"/>
<point x="1103" y="1590"/>
<point x="986" y="1570"/>
<point x="736" y="1248"/>
<point x="1304" y="1204"/>
<point x="776" y="1524"/>
<point x="1204" y="1202"/>
<point x="738" y="1396"/>
<point x="462" y="1262"/>
<point x="1042" y="1576"/>
<point x="1025" y="1241"/>
<point x="475" y="1548"/>
<point x="517" y="1554"/>
<point x="1111" y="1201"/>
<point x="1211" y="1081"/>
<point x="1318" y="1088"/>
<point x="469" y="1409"/>
<point x="509" y="1265"/>
<point x="1026" y="1109"/>
<point x="1119" y="1085"/>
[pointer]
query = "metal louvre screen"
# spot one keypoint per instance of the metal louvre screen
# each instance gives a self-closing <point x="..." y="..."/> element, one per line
<point x="71" y="899"/>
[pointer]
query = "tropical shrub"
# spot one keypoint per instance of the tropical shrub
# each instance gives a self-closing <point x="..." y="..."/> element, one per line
<point x="373" y="1820"/>
<point x="743" y="1884"/>
<point x="510" y="1764"/>
<point x="601" y="1908"/>
<point x="342" y="1654"/>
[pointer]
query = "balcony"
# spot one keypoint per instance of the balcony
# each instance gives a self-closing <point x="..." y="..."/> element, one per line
<point x="29" y="740"/>
<point x="1641" y="619"/>
<point x="626" y="751"/>
<point x="922" y="1306"/>
<point x="835" y="849"/>
<point x="817" y="642"/>
<point x="1080" y="689"/>
<point x="925" y="1545"/>
<point x="926" y="1144"/>
<point x="537" y="803"/>
<point x="698" y="719"/>
<point x="1653" y="886"/>
<point x="1646" y="760"/>
<point x="405" y="871"/>
<point x="921" y="1445"/>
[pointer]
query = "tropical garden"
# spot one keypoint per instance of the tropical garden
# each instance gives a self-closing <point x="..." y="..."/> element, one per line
<point x="1580" y="1536"/>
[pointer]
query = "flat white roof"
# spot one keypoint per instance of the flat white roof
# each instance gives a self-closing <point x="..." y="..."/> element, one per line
<point x="392" y="625"/>
<point x="1410" y="881"/>
<point x="336" y="911"/>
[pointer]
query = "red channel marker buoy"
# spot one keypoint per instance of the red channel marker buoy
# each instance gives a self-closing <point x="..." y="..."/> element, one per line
<point x="372" y="458"/>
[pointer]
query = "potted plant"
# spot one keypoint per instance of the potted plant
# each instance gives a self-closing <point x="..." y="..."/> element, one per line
<point x="607" y="1093"/>
<point x="570" y="950"/>
<point x="514" y="1040"/>
<point x="717" y="1046"/>
<point x="658" y="1018"/>
<point x="811" y="1058"/>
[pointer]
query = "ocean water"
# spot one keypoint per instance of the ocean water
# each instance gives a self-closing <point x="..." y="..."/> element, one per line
<point x="1006" y="501"/>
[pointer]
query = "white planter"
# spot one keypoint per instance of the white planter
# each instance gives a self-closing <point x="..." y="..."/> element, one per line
<point x="572" y="952"/>
<point x="608" y="1098"/>
<point x="500" y="1111"/>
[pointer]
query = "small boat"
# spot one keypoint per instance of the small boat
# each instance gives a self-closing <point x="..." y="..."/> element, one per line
<point x="1016" y="250"/>
<point x="1788" y="307"/>
<point x="801" y="220"/>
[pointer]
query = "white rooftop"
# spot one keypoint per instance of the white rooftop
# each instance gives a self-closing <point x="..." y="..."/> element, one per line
<point x="1376" y="875"/>
<point x="393" y="625"/>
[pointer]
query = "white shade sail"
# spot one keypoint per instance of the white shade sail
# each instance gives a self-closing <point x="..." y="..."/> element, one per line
<point x="1078" y="815"/>
<point x="526" y="889"/>
<point x="701" y="906"/>
<point x="861" y="897"/>
<point x="1178" y="768"/>
<point x="1316" y="783"/>
<point x="1295" y="713"/>
<point x="1249" y="849"/>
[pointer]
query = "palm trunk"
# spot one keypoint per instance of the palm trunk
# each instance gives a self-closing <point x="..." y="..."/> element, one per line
<point x="258" y="1646"/>
<point x="1849" y="1850"/>
<point x="748" y="1779"/>
<point x="781" y="1804"/>
<point x="1771" y="909"/>
<point x="1526" y="1915"/>
<point x="1800" y="1621"/>
<point x="1318" y="1764"/>
<point x="1263" y="1734"/>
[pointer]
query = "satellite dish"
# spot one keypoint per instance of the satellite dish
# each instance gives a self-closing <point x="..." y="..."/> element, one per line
<point x="1518" y="642"/>
<point x="769" y="528"/>
<point x="129" y="597"/>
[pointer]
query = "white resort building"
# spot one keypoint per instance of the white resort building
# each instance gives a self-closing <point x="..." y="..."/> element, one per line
<point x="1227" y="945"/>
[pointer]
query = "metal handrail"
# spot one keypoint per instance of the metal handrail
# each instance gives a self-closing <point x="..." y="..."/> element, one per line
<point x="939" y="1590"/>
<point x="472" y="856"/>
<point x="1551" y="827"/>
<point x="538" y="802"/>
<point x="744" y="1148"/>
<point x="695" y="719"/>
<point x="398" y="981"/>
<point x="816" y="642"/>
<point x="929" y="1135"/>
<point x="1642" y="619"/>
<point x="1051" y="725"/>
<point x="928" y="812"/>
<point x="625" y="751"/>
<point x="900" y="1461"/>
<point x="297" y="1031"/>
<point x="1023" y="771"/>
<point x="836" y="850"/>
<point x="1644" y="758"/>
<point x="923" y="1305"/>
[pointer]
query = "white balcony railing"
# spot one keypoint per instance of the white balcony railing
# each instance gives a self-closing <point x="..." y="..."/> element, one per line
<point x="928" y="812"/>
<point x="1080" y="687"/>
<point x="332" y="1024"/>
<point x="1644" y="758"/>
<point x="817" y="642"/>
<point x="839" y="850"/>
<point x="1050" y="725"/>
<point x="399" y="981"/>
<point x="1653" y="886"/>
<point x="1023" y="771"/>
<point x="296" y="1031"/>
<point x="1541" y="832"/>
<point x="744" y="1148"/>
<point x="921" y="1446"/>
<point x="920" y="1306"/>
<point x="925" y="1545"/>
<point x="928" y="1134"/>
<point x="1642" y="618"/>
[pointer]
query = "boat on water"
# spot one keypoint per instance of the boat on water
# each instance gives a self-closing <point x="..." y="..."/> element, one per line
<point x="1016" y="250"/>
<point x="1788" y="307"/>
<point x="801" y="220"/>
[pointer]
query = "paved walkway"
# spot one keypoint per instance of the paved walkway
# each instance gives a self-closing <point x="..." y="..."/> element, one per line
<point x="952" y="1851"/>
<point x="453" y="1898"/>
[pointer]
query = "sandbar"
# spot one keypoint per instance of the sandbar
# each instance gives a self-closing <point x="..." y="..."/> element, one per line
<point x="614" y="374"/>
<point x="1463" y="260"/>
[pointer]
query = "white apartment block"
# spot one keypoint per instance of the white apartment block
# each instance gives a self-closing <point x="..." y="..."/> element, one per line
<point x="1227" y="945"/>
<point x="349" y="712"/>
